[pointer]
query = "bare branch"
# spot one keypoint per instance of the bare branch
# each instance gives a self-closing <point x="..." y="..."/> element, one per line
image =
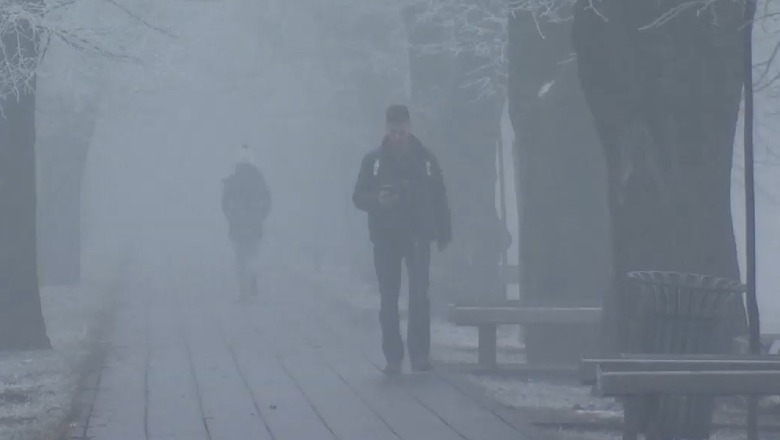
<point x="17" y="70"/>
<point x="693" y="5"/>
<point x="138" y="18"/>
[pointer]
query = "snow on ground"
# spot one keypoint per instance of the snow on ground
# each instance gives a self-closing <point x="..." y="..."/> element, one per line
<point x="37" y="388"/>
<point x="531" y="394"/>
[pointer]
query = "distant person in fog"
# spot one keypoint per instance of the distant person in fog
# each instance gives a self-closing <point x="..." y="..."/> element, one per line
<point x="401" y="187"/>
<point x="246" y="203"/>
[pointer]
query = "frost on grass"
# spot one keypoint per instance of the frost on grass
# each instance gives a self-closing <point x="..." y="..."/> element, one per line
<point x="532" y="394"/>
<point x="569" y="404"/>
<point x="37" y="387"/>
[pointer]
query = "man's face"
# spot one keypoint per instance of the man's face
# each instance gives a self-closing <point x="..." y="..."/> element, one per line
<point x="398" y="132"/>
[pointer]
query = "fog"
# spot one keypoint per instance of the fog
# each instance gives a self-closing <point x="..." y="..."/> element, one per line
<point x="171" y="123"/>
<point x="197" y="79"/>
<point x="168" y="92"/>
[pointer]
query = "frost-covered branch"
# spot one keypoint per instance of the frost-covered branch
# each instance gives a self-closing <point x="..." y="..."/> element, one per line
<point x="553" y="10"/>
<point x="767" y="69"/>
<point x="697" y="6"/>
<point x="477" y="29"/>
<point x="17" y="62"/>
<point x="34" y="24"/>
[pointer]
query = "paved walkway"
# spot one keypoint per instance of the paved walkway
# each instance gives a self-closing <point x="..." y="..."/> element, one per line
<point x="186" y="361"/>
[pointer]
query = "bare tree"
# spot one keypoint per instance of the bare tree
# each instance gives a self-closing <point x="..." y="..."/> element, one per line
<point x="457" y="73"/>
<point x="66" y="122"/>
<point x="665" y="97"/>
<point x="21" y="319"/>
<point x="82" y="38"/>
<point x="26" y="26"/>
<point x="564" y="238"/>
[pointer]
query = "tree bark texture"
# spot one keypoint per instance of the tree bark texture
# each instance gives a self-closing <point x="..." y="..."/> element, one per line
<point x="561" y="186"/>
<point x="665" y="100"/>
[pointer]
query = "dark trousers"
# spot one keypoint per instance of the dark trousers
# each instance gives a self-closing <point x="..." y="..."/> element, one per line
<point x="388" y="256"/>
<point x="246" y="253"/>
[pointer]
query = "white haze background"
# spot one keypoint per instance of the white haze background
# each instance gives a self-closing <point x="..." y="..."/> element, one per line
<point x="280" y="76"/>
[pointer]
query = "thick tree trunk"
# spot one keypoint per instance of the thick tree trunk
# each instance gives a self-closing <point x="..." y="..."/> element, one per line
<point x="462" y="126"/>
<point x="564" y="235"/>
<point x="469" y="160"/>
<point x="665" y="102"/>
<point x="21" y="318"/>
<point x="62" y="160"/>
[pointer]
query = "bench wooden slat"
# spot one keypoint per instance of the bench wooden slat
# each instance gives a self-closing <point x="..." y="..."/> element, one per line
<point x="589" y="367"/>
<point x="719" y="383"/>
<point x="487" y="317"/>
<point x="523" y="315"/>
<point x="665" y="356"/>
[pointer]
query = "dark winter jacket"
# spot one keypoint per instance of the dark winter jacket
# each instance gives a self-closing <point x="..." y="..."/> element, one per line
<point x="421" y="212"/>
<point x="246" y="202"/>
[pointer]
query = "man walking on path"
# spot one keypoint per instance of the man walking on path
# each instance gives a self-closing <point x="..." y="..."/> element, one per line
<point x="401" y="187"/>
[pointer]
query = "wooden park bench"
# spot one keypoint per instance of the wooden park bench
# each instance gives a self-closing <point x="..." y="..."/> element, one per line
<point x="651" y="376"/>
<point x="487" y="318"/>
<point x="680" y="318"/>
<point x="608" y="374"/>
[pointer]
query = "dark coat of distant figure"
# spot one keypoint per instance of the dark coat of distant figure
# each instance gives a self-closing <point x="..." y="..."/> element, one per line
<point x="246" y="203"/>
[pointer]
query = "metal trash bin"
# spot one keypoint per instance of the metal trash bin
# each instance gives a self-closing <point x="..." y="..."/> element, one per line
<point x="679" y="313"/>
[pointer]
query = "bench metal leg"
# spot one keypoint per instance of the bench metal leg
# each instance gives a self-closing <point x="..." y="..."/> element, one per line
<point x="632" y="408"/>
<point x="488" y="356"/>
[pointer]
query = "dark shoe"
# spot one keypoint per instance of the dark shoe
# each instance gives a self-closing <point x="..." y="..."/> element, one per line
<point x="422" y="365"/>
<point x="392" y="369"/>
